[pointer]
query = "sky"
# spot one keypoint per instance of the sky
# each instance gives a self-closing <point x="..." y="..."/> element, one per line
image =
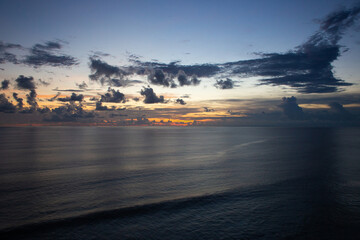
<point x="180" y="63"/>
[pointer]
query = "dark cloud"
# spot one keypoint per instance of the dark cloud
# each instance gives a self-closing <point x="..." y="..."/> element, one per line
<point x="110" y="75"/>
<point x="113" y="96"/>
<point x="48" y="54"/>
<point x="103" y="72"/>
<point x="337" y="107"/>
<point x="102" y="69"/>
<point x="141" y="121"/>
<point x="54" y="97"/>
<point x="5" y="55"/>
<point x="44" y="110"/>
<point x="150" y="96"/>
<point x="291" y="109"/>
<point x="164" y="74"/>
<point x="180" y="101"/>
<point x="224" y="84"/>
<point x="25" y="82"/>
<point x="69" y="113"/>
<point x="31" y="99"/>
<point x="93" y="99"/>
<point x="20" y="103"/>
<point x="100" y="107"/>
<point x="44" y="83"/>
<point x="158" y="77"/>
<point x="74" y="97"/>
<point x="5" y="84"/>
<point x="173" y="68"/>
<point x="336" y="22"/>
<point x="185" y="80"/>
<point x="206" y="109"/>
<point x="5" y="105"/>
<point x="340" y="112"/>
<point x="82" y="85"/>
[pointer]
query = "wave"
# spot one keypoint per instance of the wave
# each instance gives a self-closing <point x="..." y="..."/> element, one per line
<point x="164" y="206"/>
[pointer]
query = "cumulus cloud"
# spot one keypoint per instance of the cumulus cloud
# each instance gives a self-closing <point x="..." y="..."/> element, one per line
<point x="5" y="84"/>
<point x="224" y="84"/>
<point x="157" y="73"/>
<point x="48" y="54"/>
<point x="185" y="80"/>
<point x="100" y="107"/>
<point x="173" y="68"/>
<point x="69" y="113"/>
<point x="74" y="97"/>
<point x="110" y="75"/>
<point x="44" y="110"/>
<point x="26" y="83"/>
<point x="113" y="96"/>
<point x="82" y="85"/>
<point x="5" y="105"/>
<point x="150" y="96"/>
<point x="19" y="101"/>
<point x="180" y="101"/>
<point x="158" y="77"/>
<point x="339" y="110"/>
<point x="31" y="99"/>
<point x="206" y="109"/>
<point x="291" y="109"/>
<point x="101" y="71"/>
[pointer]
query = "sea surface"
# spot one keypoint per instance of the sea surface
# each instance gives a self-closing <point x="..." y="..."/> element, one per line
<point x="179" y="183"/>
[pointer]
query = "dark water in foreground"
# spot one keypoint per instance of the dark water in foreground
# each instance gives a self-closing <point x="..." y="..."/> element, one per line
<point x="179" y="183"/>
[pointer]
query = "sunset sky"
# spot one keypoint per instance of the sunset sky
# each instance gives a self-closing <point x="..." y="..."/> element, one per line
<point x="231" y="63"/>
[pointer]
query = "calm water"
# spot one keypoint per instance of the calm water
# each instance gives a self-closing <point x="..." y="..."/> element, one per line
<point x="179" y="183"/>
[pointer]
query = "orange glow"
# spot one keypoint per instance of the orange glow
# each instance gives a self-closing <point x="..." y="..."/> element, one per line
<point x="314" y="106"/>
<point x="127" y="122"/>
<point x="354" y="105"/>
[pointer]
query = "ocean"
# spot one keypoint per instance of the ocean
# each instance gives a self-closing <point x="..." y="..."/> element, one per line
<point x="179" y="183"/>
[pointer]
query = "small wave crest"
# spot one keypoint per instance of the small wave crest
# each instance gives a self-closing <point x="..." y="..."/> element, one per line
<point x="165" y="207"/>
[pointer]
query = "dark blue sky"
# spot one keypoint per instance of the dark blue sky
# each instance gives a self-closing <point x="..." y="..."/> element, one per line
<point x="211" y="31"/>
